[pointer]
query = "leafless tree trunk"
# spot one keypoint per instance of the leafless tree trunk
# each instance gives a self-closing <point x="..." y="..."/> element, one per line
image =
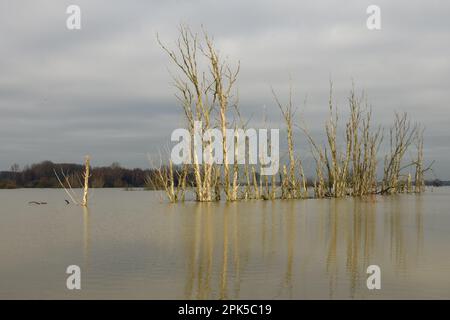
<point x="86" y="182"/>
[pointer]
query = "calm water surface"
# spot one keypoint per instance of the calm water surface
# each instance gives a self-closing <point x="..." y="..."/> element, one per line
<point x="131" y="245"/>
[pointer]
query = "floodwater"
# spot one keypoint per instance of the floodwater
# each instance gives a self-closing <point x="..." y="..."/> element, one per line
<point x="132" y="245"/>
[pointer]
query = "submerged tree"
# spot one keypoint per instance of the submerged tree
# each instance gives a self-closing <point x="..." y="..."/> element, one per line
<point x="205" y="89"/>
<point x="344" y="166"/>
<point x="65" y="183"/>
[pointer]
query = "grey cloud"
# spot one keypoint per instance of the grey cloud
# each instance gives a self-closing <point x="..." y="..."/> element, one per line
<point x="106" y="88"/>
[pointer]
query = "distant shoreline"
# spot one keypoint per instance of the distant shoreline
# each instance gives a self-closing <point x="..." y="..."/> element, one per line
<point x="42" y="176"/>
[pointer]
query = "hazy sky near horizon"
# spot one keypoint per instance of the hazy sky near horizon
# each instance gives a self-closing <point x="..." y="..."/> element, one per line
<point x="105" y="90"/>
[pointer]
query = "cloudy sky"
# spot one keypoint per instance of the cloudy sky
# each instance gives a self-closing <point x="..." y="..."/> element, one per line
<point x="105" y="90"/>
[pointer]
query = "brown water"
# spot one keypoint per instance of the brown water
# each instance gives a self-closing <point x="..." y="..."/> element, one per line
<point x="132" y="245"/>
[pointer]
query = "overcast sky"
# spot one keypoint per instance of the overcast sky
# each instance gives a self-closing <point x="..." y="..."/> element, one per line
<point x="105" y="90"/>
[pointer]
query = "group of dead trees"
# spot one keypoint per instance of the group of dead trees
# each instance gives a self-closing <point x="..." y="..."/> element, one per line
<point x="205" y="87"/>
<point x="352" y="170"/>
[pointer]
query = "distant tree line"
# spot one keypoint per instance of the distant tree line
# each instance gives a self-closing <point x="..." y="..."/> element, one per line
<point x="437" y="183"/>
<point x="42" y="175"/>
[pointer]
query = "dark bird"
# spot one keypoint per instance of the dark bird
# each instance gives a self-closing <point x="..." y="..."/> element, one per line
<point x="36" y="202"/>
<point x="67" y="201"/>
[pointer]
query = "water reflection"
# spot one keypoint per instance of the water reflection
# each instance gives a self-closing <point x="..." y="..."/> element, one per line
<point x="130" y="245"/>
<point x="212" y="251"/>
<point x="291" y="224"/>
<point x="285" y="246"/>
<point x="86" y="237"/>
<point x="418" y="206"/>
